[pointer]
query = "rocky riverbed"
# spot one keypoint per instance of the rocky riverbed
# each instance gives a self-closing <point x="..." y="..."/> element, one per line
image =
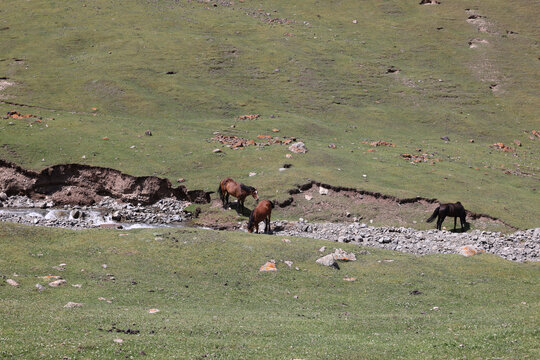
<point x="523" y="245"/>
<point x="107" y="213"/>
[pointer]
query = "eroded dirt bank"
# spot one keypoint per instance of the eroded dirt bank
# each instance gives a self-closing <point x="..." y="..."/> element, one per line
<point x="76" y="184"/>
<point x="352" y="197"/>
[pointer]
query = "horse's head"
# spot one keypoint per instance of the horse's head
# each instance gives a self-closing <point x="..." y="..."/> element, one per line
<point x="251" y="222"/>
<point x="255" y="194"/>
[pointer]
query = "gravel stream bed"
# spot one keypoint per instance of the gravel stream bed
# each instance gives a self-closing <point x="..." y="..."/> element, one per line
<point x="522" y="245"/>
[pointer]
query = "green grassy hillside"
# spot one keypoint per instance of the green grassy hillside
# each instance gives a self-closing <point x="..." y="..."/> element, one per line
<point x="318" y="71"/>
<point x="214" y="303"/>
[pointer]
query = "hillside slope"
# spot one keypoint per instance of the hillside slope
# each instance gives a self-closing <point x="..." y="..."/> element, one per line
<point x="338" y="72"/>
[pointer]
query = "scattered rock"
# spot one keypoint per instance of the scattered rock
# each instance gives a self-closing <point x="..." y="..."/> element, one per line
<point x="288" y="263"/>
<point x="470" y="250"/>
<point x="12" y="282"/>
<point x="3" y="196"/>
<point x="57" y="283"/>
<point x="342" y="255"/>
<point x="40" y="287"/>
<point x="269" y="266"/>
<point x="323" y="191"/>
<point x="349" y="279"/>
<point x="153" y="311"/>
<point x="328" y="260"/>
<point x="308" y="197"/>
<point x="72" y="304"/>
<point x="298" y="148"/>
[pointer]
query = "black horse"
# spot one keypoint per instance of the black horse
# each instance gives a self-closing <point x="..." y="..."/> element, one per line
<point x="455" y="210"/>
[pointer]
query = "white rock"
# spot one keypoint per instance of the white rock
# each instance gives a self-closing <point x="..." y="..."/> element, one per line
<point x="323" y="191"/>
<point x="327" y="260"/>
<point x="57" y="283"/>
<point x="72" y="304"/>
<point x="12" y="282"/>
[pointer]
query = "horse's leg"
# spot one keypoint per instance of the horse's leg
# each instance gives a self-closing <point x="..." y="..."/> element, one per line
<point x="455" y="222"/>
<point x="440" y="221"/>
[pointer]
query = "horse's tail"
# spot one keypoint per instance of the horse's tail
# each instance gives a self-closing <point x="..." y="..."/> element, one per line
<point x="272" y="205"/>
<point x="220" y="192"/>
<point x="434" y="215"/>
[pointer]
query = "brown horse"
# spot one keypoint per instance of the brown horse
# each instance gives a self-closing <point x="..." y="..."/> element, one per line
<point x="228" y="187"/>
<point x="262" y="211"/>
<point x="455" y="210"/>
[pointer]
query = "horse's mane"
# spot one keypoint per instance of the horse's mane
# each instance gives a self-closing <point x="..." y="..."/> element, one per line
<point x="247" y="188"/>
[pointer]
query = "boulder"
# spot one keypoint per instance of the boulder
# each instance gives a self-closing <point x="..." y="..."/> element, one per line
<point x="298" y="148"/>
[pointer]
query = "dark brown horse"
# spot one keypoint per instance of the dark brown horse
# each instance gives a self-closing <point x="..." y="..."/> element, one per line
<point x="228" y="187"/>
<point x="454" y="210"/>
<point x="262" y="211"/>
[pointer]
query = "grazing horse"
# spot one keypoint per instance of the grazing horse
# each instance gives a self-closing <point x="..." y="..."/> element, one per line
<point x="262" y="211"/>
<point x="455" y="210"/>
<point x="228" y="187"/>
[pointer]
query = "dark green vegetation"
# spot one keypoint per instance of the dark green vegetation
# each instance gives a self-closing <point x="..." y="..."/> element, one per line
<point x="187" y="69"/>
<point x="214" y="302"/>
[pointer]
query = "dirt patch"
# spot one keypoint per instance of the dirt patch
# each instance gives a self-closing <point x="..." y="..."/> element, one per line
<point x="76" y="184"/>
<point x="343" y="204"/>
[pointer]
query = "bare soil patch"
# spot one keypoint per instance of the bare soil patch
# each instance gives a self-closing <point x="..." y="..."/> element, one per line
<point x="349" y="205"/>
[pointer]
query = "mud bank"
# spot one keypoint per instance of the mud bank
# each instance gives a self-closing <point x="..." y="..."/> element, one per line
<point x="353" y="192"/>
<point x="76" y="184"/>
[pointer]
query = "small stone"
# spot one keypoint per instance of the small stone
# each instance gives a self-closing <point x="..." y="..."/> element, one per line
<point x="355" y="21"/>
<point x="308" y="197"/>
<point x="104" y="266"/>
<point x="288" y="263"/>
<point x="252" y="174"/>
<point x="322" y="249"/>
<point x="57" y="283"/>
<point x="216" y="151"/>
<point x="12" y="282"/>
<point x="72" y="304"/>
<point x="288" y="156"/>
<point x="181" y="180"/>
<point x="153" y="311"/>
<point x="40" y="287"/>
<point x="3" y="196"/>
<point x="298" y="148"/>
<point x="118" y="341"/>
<point x="286" y="240"/>
<point x="77" y="286"/>
<point x="323" y="191"/>
<point x="269" y="266"/>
